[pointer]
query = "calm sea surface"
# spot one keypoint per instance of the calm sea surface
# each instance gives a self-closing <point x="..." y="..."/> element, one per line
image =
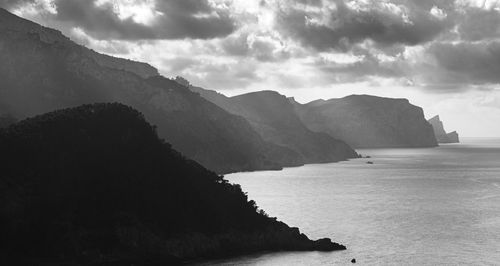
<point x="436" y="206"/>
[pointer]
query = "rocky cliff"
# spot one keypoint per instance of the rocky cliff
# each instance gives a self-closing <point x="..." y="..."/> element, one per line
<point x="41" y="70"/>
<point x="441" y="135"/>
<point x="100" y="188"/>
<point x="274" y="118"/>
<point x="368" y="121"/>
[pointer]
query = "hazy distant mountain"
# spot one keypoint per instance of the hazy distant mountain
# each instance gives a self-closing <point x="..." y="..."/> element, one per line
<point x="369" y="121"/>
<point x="41" y="70"/>
<point x="441" y="135"/>
<point x="274" y="118"/>
<point x="94" y="185"/>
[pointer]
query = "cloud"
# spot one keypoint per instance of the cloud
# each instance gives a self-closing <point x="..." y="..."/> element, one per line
<point x="479" y="24"/>
<point x="340" y="25"/>
<point x="113" y="20"/>
<point x="261" y="46"/>
<point x="14" y="3"/>
<point x="468" y="62"/>
<point x="441" y="46"/>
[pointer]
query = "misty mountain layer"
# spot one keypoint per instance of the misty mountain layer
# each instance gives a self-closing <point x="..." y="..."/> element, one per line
<point x="441" y="135"/>
<point x="41" y="70"/>
<point x="274" y="118"/>
<point x="365" y="121"/>
<point x="95" y="184"/>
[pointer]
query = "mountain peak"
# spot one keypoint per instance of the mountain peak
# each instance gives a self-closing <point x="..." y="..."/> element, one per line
<point x="13" y="27"/>
<point x="263" y="93"/>
<point x="435" y="118"/>
<point x="12" y="24"/>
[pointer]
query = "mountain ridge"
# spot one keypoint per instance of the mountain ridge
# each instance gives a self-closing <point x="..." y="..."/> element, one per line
<point x="366" y="121"/>
<point x="42" y="70"/>
<point x="274" y="118"/>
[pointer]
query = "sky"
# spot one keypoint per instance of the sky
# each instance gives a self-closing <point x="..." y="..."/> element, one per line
<point x="442" y="55"/>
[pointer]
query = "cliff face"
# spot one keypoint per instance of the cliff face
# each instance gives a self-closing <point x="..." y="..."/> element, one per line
<point x="41" y="70"/>
<point x="274" y="118"/>
<point x="369" y="121"/>
<point x="441" y="135"/>
<point x="100" y="188"/>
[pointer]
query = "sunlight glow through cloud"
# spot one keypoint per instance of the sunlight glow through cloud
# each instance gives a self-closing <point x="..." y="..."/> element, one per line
<point x="433" y="52"/>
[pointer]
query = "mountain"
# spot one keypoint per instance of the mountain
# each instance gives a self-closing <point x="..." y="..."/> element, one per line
<point x="274" y="118"/>
<point x="42" y="70"/>
<point x="365" y="121"/>
<point x="441" y="135"/>
<point x="95" y="185"/>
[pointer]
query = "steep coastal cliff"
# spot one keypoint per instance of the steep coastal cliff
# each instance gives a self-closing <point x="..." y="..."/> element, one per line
<point x="274" y="118"/>
<point x="365" y="121"/>
<point x="441" y="135"/>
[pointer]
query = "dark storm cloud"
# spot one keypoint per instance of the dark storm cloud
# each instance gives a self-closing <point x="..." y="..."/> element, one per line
<point x="179" y="19"/>
<point x="479" y="24"/>
<point x="346" y="26"/>
<point x="469" y="63"/>
<point x="100" y="22"/>
<point x="442" y="45"/>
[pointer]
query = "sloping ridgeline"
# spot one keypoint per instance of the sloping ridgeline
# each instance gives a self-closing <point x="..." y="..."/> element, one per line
<point x="365" y="121"/>
<point x="41" y="70"/>
<point x="274" y="118"/>
<point x="94" y="184"/>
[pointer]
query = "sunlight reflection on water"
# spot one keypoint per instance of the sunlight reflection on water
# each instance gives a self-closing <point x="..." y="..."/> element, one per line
<point x="411" y="207"/>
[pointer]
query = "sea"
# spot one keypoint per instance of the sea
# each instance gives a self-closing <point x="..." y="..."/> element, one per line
<point x="425" y="206"/>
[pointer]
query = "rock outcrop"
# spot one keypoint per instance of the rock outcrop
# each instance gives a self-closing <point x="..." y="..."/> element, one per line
<point x="365" y="121"/>
<point x="94" y="185"/>
<point x="41" y="70"/>
<point x="274" y="118"/>
<point x="441" y="135"/>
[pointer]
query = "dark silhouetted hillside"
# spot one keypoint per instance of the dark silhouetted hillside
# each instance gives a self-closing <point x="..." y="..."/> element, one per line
<point x="41" y="70"/>
<point x="6" y="120"/>
<point x="95" y="185"/>
<point x="369" y="121"/>
<point x="441" y="135"/>
<point x="274" y="118"/>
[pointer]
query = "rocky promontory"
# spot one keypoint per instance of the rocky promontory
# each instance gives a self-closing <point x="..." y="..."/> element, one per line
<point x="365" y="121"/>
<point x="441" y="135"/>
